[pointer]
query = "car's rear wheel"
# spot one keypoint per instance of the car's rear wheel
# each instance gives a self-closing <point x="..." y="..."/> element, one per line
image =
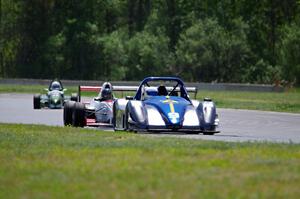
<point x="125" y="121"/>
<point x="193" y="132"/>
<point x="114" y="123"/>
<point x="79" y="115"/>
<point x="68" y="112"/>
<point x="74" y="97"/>
<point x="210" y="131"/>
<point x="37" y="101"/>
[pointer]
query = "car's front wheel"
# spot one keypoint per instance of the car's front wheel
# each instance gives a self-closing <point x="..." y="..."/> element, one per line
<point x="68" y="112"/>
<point x="125" y="121"/>
<point x="74" y="97"/>
<point x="37" y="101"/>
<point x="114" y="117"/>
<point x="210" y="131"/>
<point x="79" y="115"/>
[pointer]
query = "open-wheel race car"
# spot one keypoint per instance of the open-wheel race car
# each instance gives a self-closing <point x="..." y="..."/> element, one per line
<point x="95" y="112"/>
<point x="163" y="104"/>
<point x="54" y="98"/>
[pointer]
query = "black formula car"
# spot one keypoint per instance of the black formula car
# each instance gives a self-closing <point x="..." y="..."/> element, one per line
<point x="54" y="98"/>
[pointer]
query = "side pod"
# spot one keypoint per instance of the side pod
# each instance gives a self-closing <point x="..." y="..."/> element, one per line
<point x="119" y="107"/>
<point x="207" y="115"/>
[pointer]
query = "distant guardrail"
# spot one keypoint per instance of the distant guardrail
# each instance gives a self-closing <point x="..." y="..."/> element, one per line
<point x="200" y="85"/>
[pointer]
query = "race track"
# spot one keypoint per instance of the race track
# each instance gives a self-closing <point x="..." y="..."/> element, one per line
<point x="236" y="125"/>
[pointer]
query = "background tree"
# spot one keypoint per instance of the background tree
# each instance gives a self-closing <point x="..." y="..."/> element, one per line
<point x="289" y="53"/>
<point x="206" y="52"/>
<point x="201" y="40"/>
<point x="147" y="54"/>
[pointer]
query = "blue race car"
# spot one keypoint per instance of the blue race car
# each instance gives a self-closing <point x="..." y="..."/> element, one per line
<point x="163" y="104"/>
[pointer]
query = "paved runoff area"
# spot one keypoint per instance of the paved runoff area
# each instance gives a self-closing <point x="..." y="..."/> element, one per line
<point x="235" y="125"/>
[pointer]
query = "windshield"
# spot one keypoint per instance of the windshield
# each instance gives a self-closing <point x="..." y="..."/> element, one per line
<point x="161" y="87"/>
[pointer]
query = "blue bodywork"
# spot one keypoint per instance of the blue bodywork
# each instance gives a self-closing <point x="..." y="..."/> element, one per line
<point x="164" y="105"/>
<point x="156" y="107"/>
<point x="168" y="111"/>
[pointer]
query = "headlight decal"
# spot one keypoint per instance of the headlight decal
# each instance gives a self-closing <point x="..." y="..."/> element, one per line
<point x="154" y="117"/>
<point x="138" y="111"/>
<point x="207" y="110"/>
<point x="191" y="117"/>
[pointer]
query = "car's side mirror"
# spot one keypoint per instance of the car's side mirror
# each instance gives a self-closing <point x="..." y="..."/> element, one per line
<point x="129" y="97"/>
<point x="46" y="89"/>
<point x="64" y="90"/>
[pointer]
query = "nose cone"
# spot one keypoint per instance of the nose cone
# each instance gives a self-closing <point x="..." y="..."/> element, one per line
<point x="174" y="117"/>
<point x="172" y="108"/>
<point x="55" y="99"/>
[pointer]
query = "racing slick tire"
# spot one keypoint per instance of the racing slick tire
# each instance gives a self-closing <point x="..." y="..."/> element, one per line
<point x="193" y="132"/>
<point x="126" y="124"/>
<point x="114" y="117"/>
<point x="37" y="102"/>
<point x="74" y="97"/>
<point x="210" y="131"/>
<point x="68" y="112"/>
<point x="78" y="115"/>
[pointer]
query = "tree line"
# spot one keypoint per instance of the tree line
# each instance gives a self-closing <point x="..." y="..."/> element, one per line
<point x="250" y="41"/>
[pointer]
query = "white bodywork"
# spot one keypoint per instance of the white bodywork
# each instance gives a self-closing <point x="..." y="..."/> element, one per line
<point x="103" y="110"/>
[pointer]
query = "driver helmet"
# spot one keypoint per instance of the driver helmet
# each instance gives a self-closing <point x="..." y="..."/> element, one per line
<point x="162" y="90"/>
<point x="55" y="85"/>
<point x="106" y="91"/>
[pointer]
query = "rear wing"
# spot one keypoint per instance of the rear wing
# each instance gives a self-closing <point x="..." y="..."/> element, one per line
<point x="128" y="89"/>
<point x="192" y="90"/>
<point x="188" y="89"/>
<point x="98" y="89"/>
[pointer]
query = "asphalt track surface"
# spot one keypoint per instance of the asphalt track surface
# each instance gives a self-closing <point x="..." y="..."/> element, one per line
<point x="236" y="125"/>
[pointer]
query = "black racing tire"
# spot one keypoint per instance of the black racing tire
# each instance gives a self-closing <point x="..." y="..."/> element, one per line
<point x="208" y="133"/>
<point x="193" y="132"/>
<point x="211" y="131"/>
<point x="68" y="112"/>
<point x="114" y="117"/>
<point x="37" y="101"/>
<point x="125" y="121"/>
<point x="74" y="97"/>
<point x="78" y="116"/>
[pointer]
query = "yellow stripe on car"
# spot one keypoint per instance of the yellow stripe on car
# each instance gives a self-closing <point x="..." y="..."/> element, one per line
<point x="171" y="104"/>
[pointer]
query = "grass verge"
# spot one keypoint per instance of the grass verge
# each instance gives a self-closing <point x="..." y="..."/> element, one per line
<point x="288" y="101"/>
<point x="13" y="88"/>
<point x="56" y="162"/>
<point x="268" y="101"/>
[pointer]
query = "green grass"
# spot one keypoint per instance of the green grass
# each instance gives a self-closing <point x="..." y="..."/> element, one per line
<point x="12" y="88"/>
<point x="34" y="89"/>
<point x="57" y="162"/>
<point x="288" y="101"/>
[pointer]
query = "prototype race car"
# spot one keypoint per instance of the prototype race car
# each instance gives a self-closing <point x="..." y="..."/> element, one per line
<point x="97" y="112"/>
<point x="156" y="107"/>
<point x="55" y="98"/>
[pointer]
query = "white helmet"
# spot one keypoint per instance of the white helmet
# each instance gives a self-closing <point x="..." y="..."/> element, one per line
<point x="106" y="91"/>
